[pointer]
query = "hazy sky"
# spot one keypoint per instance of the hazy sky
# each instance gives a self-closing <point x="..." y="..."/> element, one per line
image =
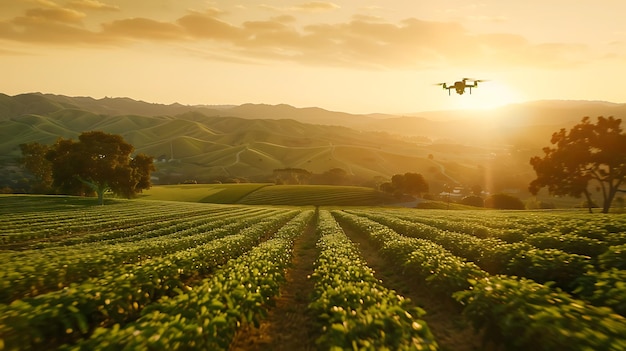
<point x="352" y="56"/>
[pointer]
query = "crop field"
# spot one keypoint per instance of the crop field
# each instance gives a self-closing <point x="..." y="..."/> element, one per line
<point x="210" y="193"/>
<point x="165" y="275"/>
<point x="269" y="194"/>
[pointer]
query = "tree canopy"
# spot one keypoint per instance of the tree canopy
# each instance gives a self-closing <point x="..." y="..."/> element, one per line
<point x="97" y="162"/>
<point x="34" y="160"/>
<point x="407" y="183"/>
<point x="589" y="154"/>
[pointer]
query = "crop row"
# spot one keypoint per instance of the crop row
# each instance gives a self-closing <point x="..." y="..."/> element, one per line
<point x="571" y="272"/>
<point x="17" y="228"/>
<point x="157" y="227"/>
<point x="513" y="227"/>
<point x="496" y="256"/>
<point x="29" y="273"/>
<point x="354" y="309"/>
<point x="207" y="316"/>
<point x="516" y="312"/>
<point x="118" y="295"/>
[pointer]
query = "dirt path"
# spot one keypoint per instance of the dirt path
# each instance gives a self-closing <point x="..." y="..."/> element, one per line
<point x="443" y="315"/>
<point x="288" y="325"/>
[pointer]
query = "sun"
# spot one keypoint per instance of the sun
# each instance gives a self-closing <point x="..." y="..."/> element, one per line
<point x="488" y="95"/>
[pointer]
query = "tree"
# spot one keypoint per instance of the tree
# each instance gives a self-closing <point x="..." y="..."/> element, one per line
<point x="291" y="176"/>
<point x="34" y="160"/>
<point x="415" y="184"/>
<point x="409" y="183"/>
<point x="504" y="202"/>
<point x="99" y="162"/>
<point x="589" y="152"/>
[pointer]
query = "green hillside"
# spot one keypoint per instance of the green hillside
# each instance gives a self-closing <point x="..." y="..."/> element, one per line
<point x="315" y="195"/>
<point x="203" y="148"/>
<point x="268" y="194"/>
<point x="206" y="193"/>
<point x="249" y="142"/>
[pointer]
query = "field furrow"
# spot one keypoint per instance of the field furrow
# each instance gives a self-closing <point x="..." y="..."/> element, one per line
<point x="517" y="313"/>
<point x="154" y="275"/>
<point x="119" y="295"/>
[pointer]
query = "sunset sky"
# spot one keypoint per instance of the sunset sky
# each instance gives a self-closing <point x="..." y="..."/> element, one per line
<point x="351" y="56"/>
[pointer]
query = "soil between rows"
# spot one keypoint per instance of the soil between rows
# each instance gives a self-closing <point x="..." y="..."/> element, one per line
<point x="288" y="325"/>
<point x="443" y="315"/>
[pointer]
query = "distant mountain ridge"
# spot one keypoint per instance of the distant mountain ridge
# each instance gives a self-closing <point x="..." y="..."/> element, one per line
<point x="251" y="140"/>
<point x="545" y="112"/>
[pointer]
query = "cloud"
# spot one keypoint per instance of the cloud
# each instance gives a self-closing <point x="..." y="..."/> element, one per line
<point x="143" y="28"/>
<point x="313" y="6"/>
<point x="92" y="5"/>
<point x="45" y="3"/>
<point x="317" y="6"/>
<point x="56" y="14"/>
<point x="364" y="41"/>
<point x="206" y="26"/>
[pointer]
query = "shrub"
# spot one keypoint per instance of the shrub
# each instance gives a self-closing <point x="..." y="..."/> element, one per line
<point x="504" y="202"/>
<point x="473" y="200"/>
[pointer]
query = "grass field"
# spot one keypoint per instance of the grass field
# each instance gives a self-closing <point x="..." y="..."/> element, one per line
<point x="268" y="194"/>
<point x="206" y="193"/>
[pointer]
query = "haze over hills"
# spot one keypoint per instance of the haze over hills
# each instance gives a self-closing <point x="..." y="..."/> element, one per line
<point x="490" y="148"/>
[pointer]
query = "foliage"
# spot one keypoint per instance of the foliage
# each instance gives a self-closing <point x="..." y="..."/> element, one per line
<point x="407" y="183"/>
<point x="34" y="160"/>
<point x="613" y="257"/>
<point x="587" y="152"/>
<point x="208" y="316"/>
<point x="606" y="288"/>
<point x="354" y="309"/>
<point x="504" y="202"/>
<point x="523" y="315"/>
<point x="549" y="265"/>
<point x="98" y="162"/>
<point x="292" y="176"/>
<point x="156" y="275"/>
<point x="120" y="294"/>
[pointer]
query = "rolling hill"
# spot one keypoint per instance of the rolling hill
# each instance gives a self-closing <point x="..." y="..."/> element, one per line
<point x="208" y="143"/>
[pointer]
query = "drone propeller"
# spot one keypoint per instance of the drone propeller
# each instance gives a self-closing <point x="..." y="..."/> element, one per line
<point x="440" y="84"/>
<point x="476" y="80"/>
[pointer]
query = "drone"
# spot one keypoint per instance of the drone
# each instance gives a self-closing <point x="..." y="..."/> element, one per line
<point x="460" y="86"/>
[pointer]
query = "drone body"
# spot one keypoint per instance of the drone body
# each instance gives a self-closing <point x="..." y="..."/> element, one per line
<point x="461" y="85"/>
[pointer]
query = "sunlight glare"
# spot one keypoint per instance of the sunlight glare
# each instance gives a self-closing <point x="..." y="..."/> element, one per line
<point x="488" y="95"/>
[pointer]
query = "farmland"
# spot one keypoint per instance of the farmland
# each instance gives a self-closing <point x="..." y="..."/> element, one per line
<point x="269" y="194"/>
<point x="139" y="274"/>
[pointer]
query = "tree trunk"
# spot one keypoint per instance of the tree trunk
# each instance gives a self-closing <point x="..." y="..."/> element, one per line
<point x="101" y="196"/>
<point x="589" y="202"/>
<point x="606" y="206"/>
<point x="97" y="187"/>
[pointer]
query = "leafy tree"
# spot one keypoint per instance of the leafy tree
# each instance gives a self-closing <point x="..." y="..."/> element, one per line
<point x="34" y="160"/>
<point x="292" y="176"/>
<point x="99" y="162"/>
<point x="415" y="184"/>
<point x="588" y="152"/>
<point x="504" y="202"/>
<point x="387" y="187"/>
<point x="408" y="183"/>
